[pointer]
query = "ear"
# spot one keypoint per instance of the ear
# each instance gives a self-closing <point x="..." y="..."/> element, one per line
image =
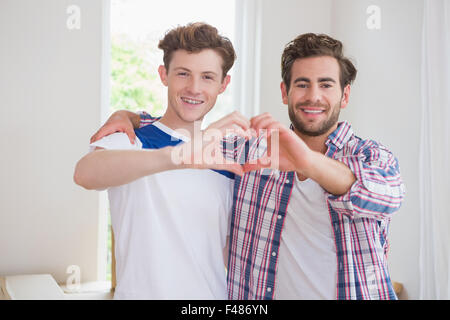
<point x="163" y="74"/>
<point x="345" y="96"/>
<point x="284" y="94"/>
<point x="225" y="83"/>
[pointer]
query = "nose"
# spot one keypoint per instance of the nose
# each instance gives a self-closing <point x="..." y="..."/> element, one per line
<point x="313" y="94"/>
<point x="194" y="86"/>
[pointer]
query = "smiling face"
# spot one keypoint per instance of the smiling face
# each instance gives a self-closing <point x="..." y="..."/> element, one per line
<point x="194" y="81"/>
<point x="315" y="96"/>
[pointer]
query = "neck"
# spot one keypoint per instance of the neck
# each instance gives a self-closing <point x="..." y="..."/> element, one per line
<point x="174" y="122"/>
<point x="316" y="143"/>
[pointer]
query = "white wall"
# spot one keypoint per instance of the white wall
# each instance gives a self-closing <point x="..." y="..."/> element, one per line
<point x="385" y="105"/>
<point x="385" y="98"/>
<point x="50" y="99"/>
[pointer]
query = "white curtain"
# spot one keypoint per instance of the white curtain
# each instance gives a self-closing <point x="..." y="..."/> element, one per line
<point x="435" y="152"/>
<point x="247" y="43"/>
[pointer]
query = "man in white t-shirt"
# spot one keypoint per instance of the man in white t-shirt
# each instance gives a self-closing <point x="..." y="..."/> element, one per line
<point x="170" y="227"/>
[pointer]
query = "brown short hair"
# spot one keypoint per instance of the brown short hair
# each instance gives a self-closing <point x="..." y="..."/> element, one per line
<point x="315" y="45"/>
<point x="195" y="37"/>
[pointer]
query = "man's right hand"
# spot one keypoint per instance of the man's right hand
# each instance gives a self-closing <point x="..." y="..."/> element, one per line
<point x="204" y="150"/>
<point x="234" y="123"/>
<point x="120" y="121"/>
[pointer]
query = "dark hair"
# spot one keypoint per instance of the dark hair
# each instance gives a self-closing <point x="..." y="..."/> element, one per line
<point x="315" y="45"/>
<point x="195" y="37"/>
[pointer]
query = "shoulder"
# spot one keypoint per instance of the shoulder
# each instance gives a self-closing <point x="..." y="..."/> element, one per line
<point x="154" y="138"/>
<point x="146" y="119"/>
<point x="118" y="141"/>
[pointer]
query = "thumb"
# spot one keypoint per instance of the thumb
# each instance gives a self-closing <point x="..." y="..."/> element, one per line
<point x="261" y="163"/>
<point x="236" y="169"/>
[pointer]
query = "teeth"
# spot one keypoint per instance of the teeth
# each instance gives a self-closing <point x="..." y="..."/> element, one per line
<point x="191" y="101"/>
<point x="312" y="111"/>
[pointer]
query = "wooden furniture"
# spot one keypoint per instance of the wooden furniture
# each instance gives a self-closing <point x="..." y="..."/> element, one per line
<point x="398" y="288"/>
<point x="113" y="262"/>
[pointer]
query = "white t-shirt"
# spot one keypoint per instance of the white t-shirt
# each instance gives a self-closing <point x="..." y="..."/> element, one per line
<point x="307" y="256"/>
<point x="170" y="228"/>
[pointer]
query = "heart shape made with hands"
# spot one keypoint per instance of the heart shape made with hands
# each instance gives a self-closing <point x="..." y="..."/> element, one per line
<point x="239" y="145"/>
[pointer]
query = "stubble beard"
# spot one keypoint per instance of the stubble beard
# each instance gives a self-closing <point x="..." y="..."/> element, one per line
<point x="323" y="128"/>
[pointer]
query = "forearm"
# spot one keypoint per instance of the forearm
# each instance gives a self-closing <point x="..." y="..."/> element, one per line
<point x="333" y="176"/>
<point x="379" y="190"/>
<point x="109" y="168"/>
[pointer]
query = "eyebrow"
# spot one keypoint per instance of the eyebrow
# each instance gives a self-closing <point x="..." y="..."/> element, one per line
<point x="205" y="72"/>
<point x="303" y="79"/>
<point x="327" y="80"/>
<point x="211" y="73"/>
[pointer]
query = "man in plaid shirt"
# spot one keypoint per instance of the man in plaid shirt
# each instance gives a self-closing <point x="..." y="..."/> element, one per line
<point x="318" y="229"/>
<point x="313" y="225"/>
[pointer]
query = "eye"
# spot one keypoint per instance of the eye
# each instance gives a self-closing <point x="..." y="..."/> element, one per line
<point x="326" y="85"/>
<point x="182" y="74"/>
<point x="207" y="77"/>
<point x="302" y="85"/>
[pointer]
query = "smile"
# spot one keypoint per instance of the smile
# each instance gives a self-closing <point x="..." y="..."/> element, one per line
<point x="192" y="101"/>
<point x="313" y="111"/>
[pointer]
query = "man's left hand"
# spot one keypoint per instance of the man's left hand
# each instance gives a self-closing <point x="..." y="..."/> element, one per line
<point x="285" y="150"/>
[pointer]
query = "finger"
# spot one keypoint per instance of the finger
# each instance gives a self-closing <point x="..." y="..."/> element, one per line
<point x="239" y="117"/>
<point x="235" y="168"/>
<point x="238" y="131"/>
<point x="272" y="128"/>
<point x="234" y="123"/>
<point x="231" y="167"/>
<point x="266" y="126"/>
<point x="232" y="118"/>
<point x="107" y="130"/>
<point x="261" y="125"/>
<point x="262" y="115"/>
<point x="260" y="121"/>
<point x="250" y="167"/>
<point x="131" y="135"/>
<point x="255" y="120"/>
<point x="261" y="163"/>
<point x="98" y="135"/>
<point x="243" y="121"/>
<point x="102" y="133"/>
<point x="252" y="133"/>
<point x="93" y="138"/>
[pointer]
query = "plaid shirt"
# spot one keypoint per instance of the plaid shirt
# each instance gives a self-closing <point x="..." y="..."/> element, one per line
<point x="360" y="218"/>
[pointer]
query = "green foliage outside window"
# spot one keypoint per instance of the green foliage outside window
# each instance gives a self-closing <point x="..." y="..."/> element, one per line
<point x="135" y="83"/>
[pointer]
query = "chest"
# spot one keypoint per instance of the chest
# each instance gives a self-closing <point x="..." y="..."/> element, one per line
<point x="308" y="206"/>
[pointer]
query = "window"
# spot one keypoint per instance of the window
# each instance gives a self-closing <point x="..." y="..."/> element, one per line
<point x="136" y="28"/>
